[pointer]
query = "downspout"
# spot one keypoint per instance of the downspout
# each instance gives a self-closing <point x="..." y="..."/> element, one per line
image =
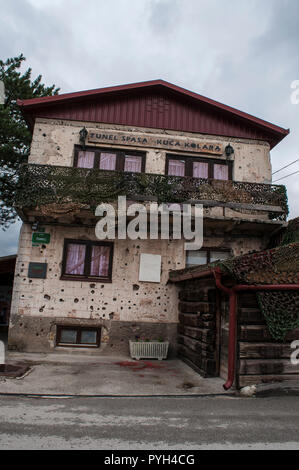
<point x="232" y="292"/>
<point x="232" y="328"/>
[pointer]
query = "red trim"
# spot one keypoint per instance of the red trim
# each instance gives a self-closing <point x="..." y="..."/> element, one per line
<point x="30" y="104"/>
<point x="233" y="316"/>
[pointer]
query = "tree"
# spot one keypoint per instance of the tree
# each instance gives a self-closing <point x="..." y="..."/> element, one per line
<point x="15" y="137"/>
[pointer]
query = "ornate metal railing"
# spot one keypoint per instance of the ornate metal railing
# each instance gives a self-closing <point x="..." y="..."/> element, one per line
<point x="45" y="184"/>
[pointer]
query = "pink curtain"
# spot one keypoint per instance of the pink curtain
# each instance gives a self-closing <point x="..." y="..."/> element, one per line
<point x="75" y="259"/>
<point x="100" y="261"/>
<point x="108" y="161"/>
<point x="200" y="169"/>
<point x="176" y="168"/>
<point x="133" y="164"/>
<point x="220" y="172"/>
<point x="85" y="159"/>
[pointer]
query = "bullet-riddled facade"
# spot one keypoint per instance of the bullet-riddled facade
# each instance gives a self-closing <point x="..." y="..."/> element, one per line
<point x="72" y="289"/>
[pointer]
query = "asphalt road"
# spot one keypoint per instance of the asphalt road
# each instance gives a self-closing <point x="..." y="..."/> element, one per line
<point x="149" y="423"/>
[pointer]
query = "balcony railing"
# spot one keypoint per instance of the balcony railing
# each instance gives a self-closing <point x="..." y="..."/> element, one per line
<point x="46" y="184"/>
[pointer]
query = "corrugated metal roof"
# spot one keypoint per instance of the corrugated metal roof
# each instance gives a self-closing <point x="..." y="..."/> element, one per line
<point x="153" y="104"/>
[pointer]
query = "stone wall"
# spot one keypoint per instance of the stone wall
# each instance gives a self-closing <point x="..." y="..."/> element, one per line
<point x="54" y="140"/>
<point x="41" y="302"/>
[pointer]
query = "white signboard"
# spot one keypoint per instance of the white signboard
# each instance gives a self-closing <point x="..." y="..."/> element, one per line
<point x="150" y="268"/>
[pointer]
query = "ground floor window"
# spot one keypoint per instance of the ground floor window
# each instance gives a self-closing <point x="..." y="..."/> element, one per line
<point x="206" y="255"/>
<point x="78" y="336"/>
<point x="86" y="260"/>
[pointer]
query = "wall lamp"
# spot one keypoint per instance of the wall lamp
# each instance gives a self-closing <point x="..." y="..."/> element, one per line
<point x="83" y="134"/>
<point x="229" y="150"/>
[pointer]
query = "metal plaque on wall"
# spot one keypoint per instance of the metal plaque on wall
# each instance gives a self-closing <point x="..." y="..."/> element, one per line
<point x="37" y="270"/>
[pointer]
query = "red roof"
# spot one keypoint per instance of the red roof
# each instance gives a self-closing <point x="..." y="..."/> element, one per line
<point x="154" y="104"/>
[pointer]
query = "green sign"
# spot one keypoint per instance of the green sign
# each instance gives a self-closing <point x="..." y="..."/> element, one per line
<point x="38" y="237"/>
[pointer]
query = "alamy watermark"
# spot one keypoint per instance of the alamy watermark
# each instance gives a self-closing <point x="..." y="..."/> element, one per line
<point x="2" y="353"/>
<point x="295" y="354"/>
<point x="295" y="93"/>
<point x="2" y="92"/>
<point x="151" y="221"/>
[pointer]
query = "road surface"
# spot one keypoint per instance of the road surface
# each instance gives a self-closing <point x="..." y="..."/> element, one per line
<point x="149" y="423"/>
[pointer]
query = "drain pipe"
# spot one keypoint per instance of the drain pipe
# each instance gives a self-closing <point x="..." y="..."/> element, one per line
<point x="232" y="292"/>
<point x="232" y="328"/>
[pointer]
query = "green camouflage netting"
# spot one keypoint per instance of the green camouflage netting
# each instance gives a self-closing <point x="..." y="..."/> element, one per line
<point x="276" y="266"/>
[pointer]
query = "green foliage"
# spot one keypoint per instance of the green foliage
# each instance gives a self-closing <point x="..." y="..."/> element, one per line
<point x="281" y="311"/>
<point x="15" y="138"/>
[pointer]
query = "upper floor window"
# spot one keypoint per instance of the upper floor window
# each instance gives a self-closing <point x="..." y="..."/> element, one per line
<point x="206" y="255"/>
<point x="198" y="167"/>
<point x="106" y="159"/>
<point x="87" y="260"/>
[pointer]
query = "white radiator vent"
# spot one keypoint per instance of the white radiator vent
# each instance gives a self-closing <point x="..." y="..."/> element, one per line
<point x="149" y="350"/>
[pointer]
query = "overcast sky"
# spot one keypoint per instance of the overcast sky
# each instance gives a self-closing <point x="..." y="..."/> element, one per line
<point x="243" y="53"/>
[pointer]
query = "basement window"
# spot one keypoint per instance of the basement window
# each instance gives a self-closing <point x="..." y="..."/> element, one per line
<point x="206" y="256"/>
<point x="74" y="336"/>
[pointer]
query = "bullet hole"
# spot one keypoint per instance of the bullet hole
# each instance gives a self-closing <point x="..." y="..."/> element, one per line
<point x="62" y="290"/>
<point x="23" y="264"/>
<point x="47" y="297"/>
<point x="37" y="334"/>
<point x="158" y="298"/>
<point x="102" y="286"/>
<point x="91" y="308"/>
<point x="76" y="300"/>
<point x="92" y="286"/>
<point x="42" y="308"/>
<point x="92" y="292"/>
<point x="30" y="280"/>
<point x="92" y="300"/>
<point x="21" y="324"/>
<point x="136" y="287"/>
<point x="61" y="300"/>
<point x="44" y="135"/>
<point x="137" y="246"/>
<point x="114" y="299"/>
<point x="111" y="315"/>
<point x="58" y="148"/>
<point x="44" y="246"/>
<point x="103" y="308"/>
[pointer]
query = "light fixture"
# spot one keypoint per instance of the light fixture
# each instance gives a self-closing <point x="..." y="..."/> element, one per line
<point x="229" y="150"/>
<point x="83" y="134"/>
<point x="34" y="226"/>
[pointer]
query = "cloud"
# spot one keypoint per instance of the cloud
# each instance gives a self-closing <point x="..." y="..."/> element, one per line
<point x="9" y="240"/>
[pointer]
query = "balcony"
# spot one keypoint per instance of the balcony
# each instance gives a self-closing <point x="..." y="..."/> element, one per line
<point x="42" y="188"/>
